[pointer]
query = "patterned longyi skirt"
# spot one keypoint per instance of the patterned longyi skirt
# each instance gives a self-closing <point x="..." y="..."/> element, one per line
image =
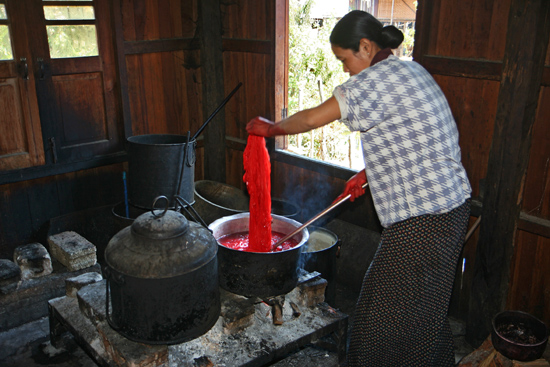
<point x="401" y="314"/>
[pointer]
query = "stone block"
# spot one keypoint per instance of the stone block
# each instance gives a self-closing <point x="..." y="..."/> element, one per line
<point x="312" y="292"/>
<point x="33" y="260"/>
<point x="237" y="312"/>
<point x="91" y="301"/>
<point x="10" y="276"/>
<point x="72" y="250"/>
<point x="74" y="284"/>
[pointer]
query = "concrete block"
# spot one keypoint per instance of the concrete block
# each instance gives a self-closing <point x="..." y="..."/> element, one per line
<point x="74" y="284"/>
<point x="72" y="250"/>
<point x="33" y="260"/>
<point x="10" y="276"/>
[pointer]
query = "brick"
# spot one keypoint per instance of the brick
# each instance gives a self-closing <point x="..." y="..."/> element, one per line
<point x="72" y="250"/>
<point x="74" y="284"/>
<point x="33" y="260"/>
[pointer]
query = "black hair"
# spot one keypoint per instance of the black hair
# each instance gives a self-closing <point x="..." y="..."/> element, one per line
<point x="357" y="24"/>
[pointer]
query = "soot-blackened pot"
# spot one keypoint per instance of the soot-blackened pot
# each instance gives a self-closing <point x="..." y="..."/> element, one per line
<point x="258" y="274"/>
<point x="162" y="279"/>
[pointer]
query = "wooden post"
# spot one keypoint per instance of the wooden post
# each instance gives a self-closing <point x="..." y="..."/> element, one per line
<point x="210" y="32"/>
<point x="526" y="45"/>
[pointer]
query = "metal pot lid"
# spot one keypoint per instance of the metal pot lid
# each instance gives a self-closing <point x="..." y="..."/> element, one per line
<point x="160" y="224"/>
<point x="157" y="246"/>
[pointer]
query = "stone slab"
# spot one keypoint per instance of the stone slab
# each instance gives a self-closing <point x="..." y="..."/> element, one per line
<point x="30" y="301"/>
<point x="256" y="345"/>
<point x="72" y="250"/>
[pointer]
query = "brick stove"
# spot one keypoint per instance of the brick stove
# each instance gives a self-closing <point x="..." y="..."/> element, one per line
<point x="249" y="332"/>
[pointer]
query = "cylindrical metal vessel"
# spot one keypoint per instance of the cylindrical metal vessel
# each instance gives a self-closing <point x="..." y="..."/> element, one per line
<point x="319" y="254"/>
<point x="162" y="279"/>
<point x="155" y="165"/>
<point x="214" y="200"/>
<point x="257" y="274"/>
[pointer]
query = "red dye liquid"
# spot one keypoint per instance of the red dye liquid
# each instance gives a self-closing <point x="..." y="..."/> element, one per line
<point x="257" y="178"/>
<point x="240" y="241"/>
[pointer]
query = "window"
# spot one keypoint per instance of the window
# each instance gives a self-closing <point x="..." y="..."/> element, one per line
<point x="314" y="72"/>
<point x="71" y="29"/>
<point x="6" y="52"/>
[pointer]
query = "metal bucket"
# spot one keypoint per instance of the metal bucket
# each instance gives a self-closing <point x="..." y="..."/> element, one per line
<point x="214" y="200"/>
<point x="257" y="274"/>
<point x="155" y="165"/>
<point x="319" y="254"/>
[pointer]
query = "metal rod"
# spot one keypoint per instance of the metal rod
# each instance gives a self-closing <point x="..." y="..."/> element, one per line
<point x="472" y="230"/>
<point x="319" y="215"/>
<point x="183" y="162"/>
<point x="216" y="111"/>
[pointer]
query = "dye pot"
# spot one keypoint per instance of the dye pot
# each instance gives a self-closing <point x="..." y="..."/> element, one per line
<point x="319" y="254"/>
<point x="257" y="274"/>
<point x="156" y="167"/>
<point x="162" y="279"/>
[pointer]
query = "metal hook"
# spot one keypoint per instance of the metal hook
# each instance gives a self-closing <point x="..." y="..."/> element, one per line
<point x="184" y="205"/>
<point x="165" y="208"/>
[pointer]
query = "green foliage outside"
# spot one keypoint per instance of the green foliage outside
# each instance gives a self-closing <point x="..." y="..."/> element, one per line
<point x="64" y="40"/>
<point x="72" y="41"/>
<point x="312" y="64"/>
<point x="313" y="74"/>
<point x="5" y="43"/>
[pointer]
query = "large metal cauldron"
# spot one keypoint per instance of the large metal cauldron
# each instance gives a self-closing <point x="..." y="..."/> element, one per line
<point x="162" y="279"/>
<point x="155" y="164"/>
<point x="257" y="274"/>
<point x="214" y="200"/>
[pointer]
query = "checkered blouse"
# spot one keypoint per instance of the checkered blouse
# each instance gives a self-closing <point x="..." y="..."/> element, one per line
<point x="409" y="137"/>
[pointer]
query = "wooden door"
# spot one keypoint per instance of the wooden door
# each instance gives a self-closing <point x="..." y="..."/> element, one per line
<point x="75" y="78"/>
<point x="20" y="133"/>
<point x="58" y="89"/>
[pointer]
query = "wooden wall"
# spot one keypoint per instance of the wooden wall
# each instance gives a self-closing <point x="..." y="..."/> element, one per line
<point x="482" y="53"/>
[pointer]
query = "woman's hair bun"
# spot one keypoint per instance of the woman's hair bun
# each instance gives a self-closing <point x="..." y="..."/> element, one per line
<point x="390" y="37"/>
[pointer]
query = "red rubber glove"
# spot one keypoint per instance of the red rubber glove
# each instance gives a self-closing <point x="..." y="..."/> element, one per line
<point x="263" y="127"/>
<point x="354" y="186"/>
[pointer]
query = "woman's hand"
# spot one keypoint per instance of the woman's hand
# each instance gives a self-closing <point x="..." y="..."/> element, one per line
<point x="354" y="186"/>
<point x="259" y="126"/>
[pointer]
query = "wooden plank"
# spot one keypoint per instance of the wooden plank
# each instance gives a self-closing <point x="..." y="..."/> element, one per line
<point x="161" y="45"/>
<point x="520" y="82"/>
<point x="281" y="66"/>
<point x="36" y="172"/>
<point x="251" y="46"/>
<point x="212" y="88"/>
<point x="530" y="285"/>
<point x="122" y="67"/>
<point x="467" y="68"/>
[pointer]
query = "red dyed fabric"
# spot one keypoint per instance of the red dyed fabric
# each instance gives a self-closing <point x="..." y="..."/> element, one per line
<point x="257" y="178"/>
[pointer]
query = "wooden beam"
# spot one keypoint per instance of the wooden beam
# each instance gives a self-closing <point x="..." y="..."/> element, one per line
<point x="160" y="45"/>
<point x="210" y="36"/>
<point x="122" y="69"/>
<point x="466" y="68"/>
<point x="526" y="45"/>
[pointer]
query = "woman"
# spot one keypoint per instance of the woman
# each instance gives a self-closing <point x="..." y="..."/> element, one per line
<point x="419" y="188"/>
